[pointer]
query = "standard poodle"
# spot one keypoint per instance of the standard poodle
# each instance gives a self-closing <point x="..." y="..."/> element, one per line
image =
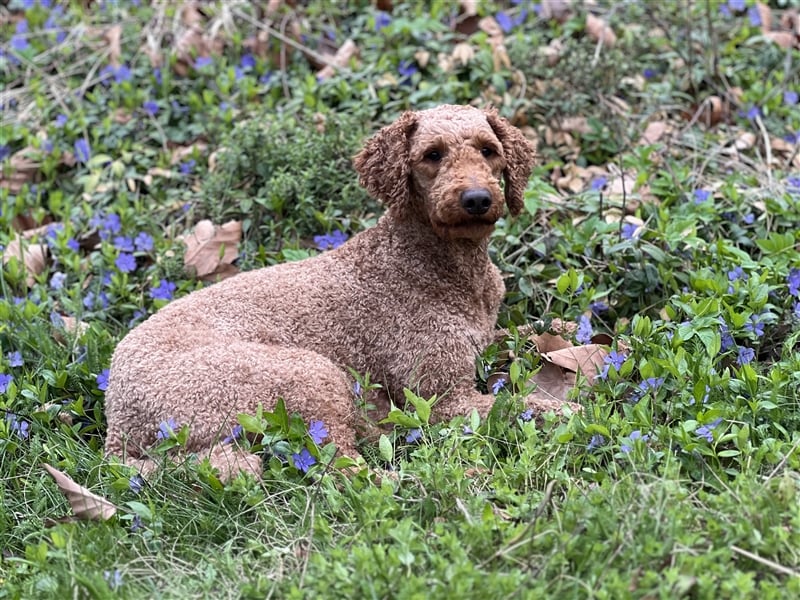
<point x="411" y="301"/>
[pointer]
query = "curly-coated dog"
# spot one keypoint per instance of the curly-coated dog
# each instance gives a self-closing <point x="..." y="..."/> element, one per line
<point x="411" y="301"/>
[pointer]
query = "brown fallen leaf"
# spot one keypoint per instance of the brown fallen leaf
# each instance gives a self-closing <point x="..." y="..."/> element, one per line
<point x="586" y="359"/>
<point x="86" y="505"/>
<point x="654" y="132"/>
<point x="112" y="36"/>
<point x="23" y="169"/>
<point x="599" y="31"/>
<point x="552" y="383"/>
<point x="211" y="249"/>
<point x="558" y="10"/>
<point x="766" y="16"/>
<point x="784" y="39"/>
<point x="469" y="8"/>
<point x="341" y="59"/>
<point x="32" y="256"/>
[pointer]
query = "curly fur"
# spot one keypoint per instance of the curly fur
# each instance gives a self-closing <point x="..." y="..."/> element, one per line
<point x="411" y="301"/>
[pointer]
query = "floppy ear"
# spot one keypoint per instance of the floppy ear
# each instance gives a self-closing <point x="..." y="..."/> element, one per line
<point x="520" y="157"/>
<point x="383" y="164"/>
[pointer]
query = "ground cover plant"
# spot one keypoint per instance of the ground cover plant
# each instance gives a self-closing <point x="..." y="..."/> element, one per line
<point x="148" y="148"/>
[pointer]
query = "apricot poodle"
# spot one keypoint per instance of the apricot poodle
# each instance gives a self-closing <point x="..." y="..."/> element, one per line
<point x="411" y="301"/>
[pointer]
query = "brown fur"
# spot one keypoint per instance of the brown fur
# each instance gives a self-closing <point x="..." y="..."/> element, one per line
<point x="411" y="301"/>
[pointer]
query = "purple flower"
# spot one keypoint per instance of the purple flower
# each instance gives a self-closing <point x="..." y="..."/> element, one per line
<point x="150" y="107"/>
<point x="526" y="415"/>
<point x="382" y="20"/>
<point x="18" y="426"/>
<point x="504" y="21"/>
<point x="14" y="359"/>
<point x="736" y="273"/>
<point x="754" y="16"/>
<point x="793" y="183"/>
<point x="727" y="342"/>
<point x="136" y="523"/>
<point x="701" y="196"/>
<point x="413" y="436"/>
<point x="790" y="97"/>
<point x="755" y="324"/>
<point x="102" y="380"/>
<point x="466" y="430"/>
<point x="745" y="355"/>
<point x="123" y="243"/>
<point x="122" y="73"/>
<point x="83" y="151"/>
<point x="615" y="359"/>
<point x="649" y="73"/>
<point x="330" y="241"/>
<point x="753" y="113"/>
<point x="126" y="262"/>
<point x="60" y="121"/>
<point x="598" y="307"/>
<point x="236" y="433"/>
<point x="628" y="231"/>
<point x="136" y="483"/>
<point x="649" y="384"/>
<point x="5" y="152"/>
<point x="203" y="61"/>
<point x="737" y="5"/>
<point x="583" y="335"/>
<point x="317" y="431"/>
<point x="796" y="310"/>
<point x="166" y="429"/>
<point x="498" y="385"/>
<point x="596" y="441"/>
<point x="598" y="183"/>
<point x="19" y="41"/>
<point x="94" y="301"/>
<point x="137" y="315"/>
<point x="704" y="431"/>
<point x="163" y="291"/>
<point x="143" y="242"/>
<point x="187" y="167"/>
<point x="749" y="219"/>
<point x="304" y="460"/>
<point x="793" y="279"/>
<point x="248" y="61"/>
<point x="73" y="244"/>
<point x="4" y="381"/>
<point x="157" y="75"/>
<point x="635" y="435"/>
<point x="406" y="69"/>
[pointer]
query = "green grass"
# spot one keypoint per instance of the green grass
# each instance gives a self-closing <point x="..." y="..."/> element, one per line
<point x="680" y="478"/>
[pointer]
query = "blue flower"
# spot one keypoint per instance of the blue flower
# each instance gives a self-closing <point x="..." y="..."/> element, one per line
<point x="406" y="69"/>
<point x="793" y="280"/>
<point x="727" y="341"/>
<point x="754" y="16"/>
<point x="304" y="460"/>
<point x="598" y="183"/>
<point x="749" y="219"/>
<point x="629" y="231"/>
<point x="73" y="244"/>
<point x="83" y="151"/>
<point x="583" y="335"/>
<point x="317" y="431"/>
<point x="413" y="436"/>
<point x="498" y="385"/>
<point x="753" y="113"/>
<point x="330" y="241"/>
<point x="504" y="21"/>
<point x="187" y="167"/>
<point x="596" y="441"/>
<point x="114" y="578"/>
<point x="19" y="427"/>
<point x="793" y="183"/>
<point x="635" y="435"/>
<point x="60" y="121"/>
<point x="163" y="291"/>
<point x="122" y="73"/>
<point x="136" y="523"/>
<point x="737" y="5"/>
<point x="94" y="301"/>
<point x="701" y="196"/>
<point x="382" y="20"/>
<point x="150" y="107"/>
<point x="15" y="359"/>
<point x="236" y="433"/>
<point x="123" y="243"/>
<point x="143" y="242"/>
<point x="5" y="152"/>
<point x="102" y="380"/>
<point x="598" y="307"/>
<point x="248" y="61"/>
<point x="649" y="384"/>
<point x="157" y="76"/>
<point x="745" y="355"/>
<point x="238" y="73"/>
<point x="790" y="97"/>
<point x="704" y="431"/>
<point x="649" y="73"/>
<point x="755" y="324"/>
<point x="136" y="483"/>
<point x="615" y="359"/>
<point x="526" y="415"/>
<point x="466" y="430"/>
<point x="736" y="273"/>
<point x="4" y="381"/>
<point x="126" y="262"/>
<point x="166" y="429"/>
<point x="796" y="310"/>
<point x="19" y="41"/>
<point x="203" y="61"/>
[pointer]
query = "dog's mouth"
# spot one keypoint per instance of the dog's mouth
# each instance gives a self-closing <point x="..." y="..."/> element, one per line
<point x="474" y="229"/>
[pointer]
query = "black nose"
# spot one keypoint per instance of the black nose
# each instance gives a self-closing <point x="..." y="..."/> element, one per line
<point x="476" y="201"/>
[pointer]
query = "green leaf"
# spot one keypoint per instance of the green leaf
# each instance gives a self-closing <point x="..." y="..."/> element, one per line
<point x="250" y="423"/>
<point x="385" y="447"/>
<point x="398" y="417"/>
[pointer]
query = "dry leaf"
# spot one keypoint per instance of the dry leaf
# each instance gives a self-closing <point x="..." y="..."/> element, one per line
<point x="191" y="15"/>
<point x="555" y="9"/>
<point x="463" y="53"/>
<point x="211" y="249"/>
<point x="23" y="170"/>
<point x="766" y="16"/>
<point x="654" y="132"/>
<point x="599" y="31"/>
<point x="32" y="256"/>
<point x="180" y="153"/>
<point x="490" y="27"/>
<point x="344" y="54"/>
<point x="469" y="8"/>
<point x="784" y="39"/>
<point x="586" y="359"/>
<point x="72" y="326"/>
<point x="86" y="505"/>
<point x="552" y="384"/>
<point x="112" y="37"/>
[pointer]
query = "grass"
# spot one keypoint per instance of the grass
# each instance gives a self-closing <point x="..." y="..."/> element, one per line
<point x="122" y="130"/>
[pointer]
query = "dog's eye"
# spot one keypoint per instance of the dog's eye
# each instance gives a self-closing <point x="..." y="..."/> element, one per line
<point x="487" y="152"/>
<point x="433" y="156"/>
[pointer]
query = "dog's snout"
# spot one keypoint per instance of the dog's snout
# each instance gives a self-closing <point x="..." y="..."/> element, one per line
<point x="476" y="201"/>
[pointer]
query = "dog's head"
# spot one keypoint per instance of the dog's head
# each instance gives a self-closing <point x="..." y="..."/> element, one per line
<point x="448" y="162"/>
